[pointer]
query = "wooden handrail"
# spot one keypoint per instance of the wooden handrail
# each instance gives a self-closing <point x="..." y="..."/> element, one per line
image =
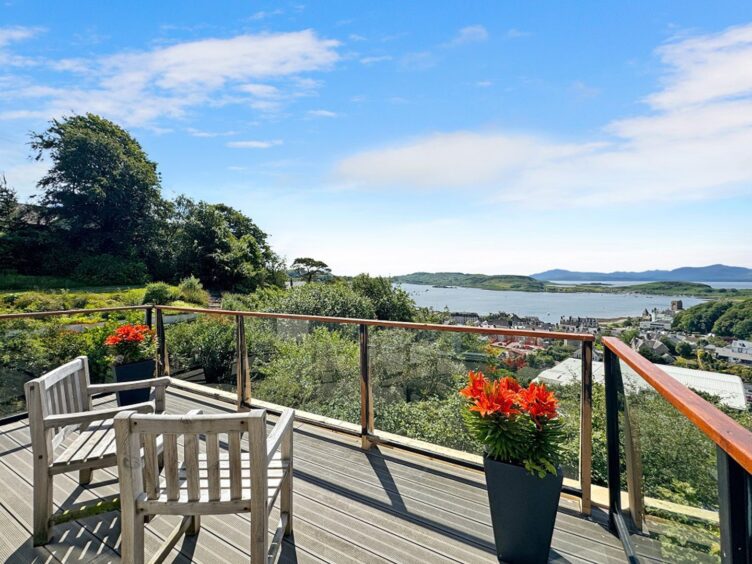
<point x="393" y="324"/>
<point x="34" y="314"/>
<point x="716" y="425"/>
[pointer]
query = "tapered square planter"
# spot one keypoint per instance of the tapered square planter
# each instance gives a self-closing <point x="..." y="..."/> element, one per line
<point x="130" y="373"/>
<point x="523" y="511"/>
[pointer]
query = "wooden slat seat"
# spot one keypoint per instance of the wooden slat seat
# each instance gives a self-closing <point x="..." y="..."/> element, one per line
<point x="94" y="442"/>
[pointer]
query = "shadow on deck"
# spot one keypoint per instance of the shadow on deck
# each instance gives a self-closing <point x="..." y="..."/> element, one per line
<point x="385" y="505"/>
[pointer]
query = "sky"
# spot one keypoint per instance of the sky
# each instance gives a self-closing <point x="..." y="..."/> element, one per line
<point x="393" y="137"/>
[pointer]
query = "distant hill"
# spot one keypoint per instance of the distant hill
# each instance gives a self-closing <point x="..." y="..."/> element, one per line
<point x="497" y="282"/>
<point x="712" y="273"/>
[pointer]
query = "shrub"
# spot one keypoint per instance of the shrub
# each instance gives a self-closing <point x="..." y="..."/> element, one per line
<point x="159" y="293"/>
<point x="335" y="300"/>
<point x="192" y="291"/>
<point x="208" y="343"/>
<point x="42" y="301"/>
<point x="321" y="370"/>
<point x="108" y="270"/>
<point x="390" y="303"/>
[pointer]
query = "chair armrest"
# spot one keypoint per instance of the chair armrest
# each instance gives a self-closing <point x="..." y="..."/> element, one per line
<point x="81" y="417"/>
<point x="282" y="428"/>
<point x="125" y="386"/>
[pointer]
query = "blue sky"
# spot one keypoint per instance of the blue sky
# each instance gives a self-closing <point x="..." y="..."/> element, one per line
<point x="393" y="137"/>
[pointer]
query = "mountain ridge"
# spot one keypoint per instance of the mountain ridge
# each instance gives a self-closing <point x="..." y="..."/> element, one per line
<point x="710" y="273"/>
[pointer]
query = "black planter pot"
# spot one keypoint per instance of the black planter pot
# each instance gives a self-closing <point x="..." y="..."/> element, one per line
<point x="523" y="511"/>
<point x="131" y="372"/>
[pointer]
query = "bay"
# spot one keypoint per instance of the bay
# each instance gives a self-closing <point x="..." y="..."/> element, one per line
<point x="547" y="306"/>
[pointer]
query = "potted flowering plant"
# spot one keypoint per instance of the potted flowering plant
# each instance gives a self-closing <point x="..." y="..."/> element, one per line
<point x="133" y="351"/>
<point x="521" y="433"/>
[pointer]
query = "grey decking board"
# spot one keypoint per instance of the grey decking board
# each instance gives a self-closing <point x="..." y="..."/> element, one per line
<point x="330" y="505"/>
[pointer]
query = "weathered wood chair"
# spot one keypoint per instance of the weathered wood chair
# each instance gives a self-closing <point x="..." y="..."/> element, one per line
<point x="206" y="483"/>
<point x="59" y="403"/>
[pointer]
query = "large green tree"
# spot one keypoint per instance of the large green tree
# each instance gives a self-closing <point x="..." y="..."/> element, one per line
<point x="221" y="246"/>
<point x="102" y="193"/>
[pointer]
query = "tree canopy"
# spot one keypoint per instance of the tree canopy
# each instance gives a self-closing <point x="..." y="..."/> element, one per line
<point x="310" y="269"/>
<point x="101" y="200"/>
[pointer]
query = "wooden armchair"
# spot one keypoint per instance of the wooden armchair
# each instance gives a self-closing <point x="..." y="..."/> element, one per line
<point x="59" y="403"/>
<point x="206" y="483"/>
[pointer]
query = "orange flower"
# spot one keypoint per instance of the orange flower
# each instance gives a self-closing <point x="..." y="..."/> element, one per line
<point x="538" y="401"/>
<point x="476" y="384"/>
<point x="498" y="397"/>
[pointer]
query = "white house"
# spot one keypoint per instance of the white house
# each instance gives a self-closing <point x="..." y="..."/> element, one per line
<point x="727" y="387"/>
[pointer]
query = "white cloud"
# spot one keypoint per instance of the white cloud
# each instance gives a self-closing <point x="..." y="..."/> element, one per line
<point x="254" y="144"/>
<point x="261" y="90"/>
<point x="139" y="88"/>
<point x="694" y="144"/>
<point x="513" y="33"/>
<point x="262" y="15"/>
<point x="322" y="113"/>
<point x="200" y="133"/>
<point x="484" y="83"/>
<point x="372" y="60"/>
<point x="470" y="34"/>
<point x="13" y="34"/>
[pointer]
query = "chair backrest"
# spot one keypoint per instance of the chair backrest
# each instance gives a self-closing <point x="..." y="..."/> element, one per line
<point x="193" y="477"/>
<point x="60" y="391"/>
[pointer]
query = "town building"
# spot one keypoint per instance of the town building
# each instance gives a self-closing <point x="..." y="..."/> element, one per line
<point x="738" y="352"/>
<point x="727" y="387"/>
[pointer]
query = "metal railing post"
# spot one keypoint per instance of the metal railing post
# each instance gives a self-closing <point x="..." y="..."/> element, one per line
<point x="612" y="436"/>
<point x="243" y="385"/>
<point x="633" y="460"/>
<point x="734" y="509"/>
<point x="614" y="386"/>
<point x="586" y="427"/>
<point x="163" y="360"/>
<point x="366" y="394"/>
<point x="148" y="317"/>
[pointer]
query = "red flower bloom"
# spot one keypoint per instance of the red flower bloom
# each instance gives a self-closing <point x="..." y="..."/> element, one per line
<point x="538" y="401"/>
<point x="128" y="334"/>
<point x="476" y="384"/>
<point x="492" y="398"/>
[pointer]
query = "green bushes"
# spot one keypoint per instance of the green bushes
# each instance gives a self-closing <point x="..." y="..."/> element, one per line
<point x="109" y="270"/>
<point x="318" y="374"/>
<point x="191" y="290"/>
<point x="208" y="343"/>
<point x="160" y="293"/>
<point x="390" y="303"/>
<point x="334" y="300"/>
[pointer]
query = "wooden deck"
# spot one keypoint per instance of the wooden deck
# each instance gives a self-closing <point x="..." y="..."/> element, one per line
<point x="386" y="505"/>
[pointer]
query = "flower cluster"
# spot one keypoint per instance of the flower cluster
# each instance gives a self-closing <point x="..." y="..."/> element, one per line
<point x="131" y="343"/>
<point x="515" y="424"/>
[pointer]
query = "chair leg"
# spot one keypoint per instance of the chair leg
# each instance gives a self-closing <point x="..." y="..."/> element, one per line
<point x="131" y="535"/>
<point x="285" y="504"/>
<point x="84" y="476"/>
<point x="195" y="525"/>
<point x="42" y="499"/>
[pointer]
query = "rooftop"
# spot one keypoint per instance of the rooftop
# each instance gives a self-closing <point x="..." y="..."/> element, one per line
<point x="726" y="386"/>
